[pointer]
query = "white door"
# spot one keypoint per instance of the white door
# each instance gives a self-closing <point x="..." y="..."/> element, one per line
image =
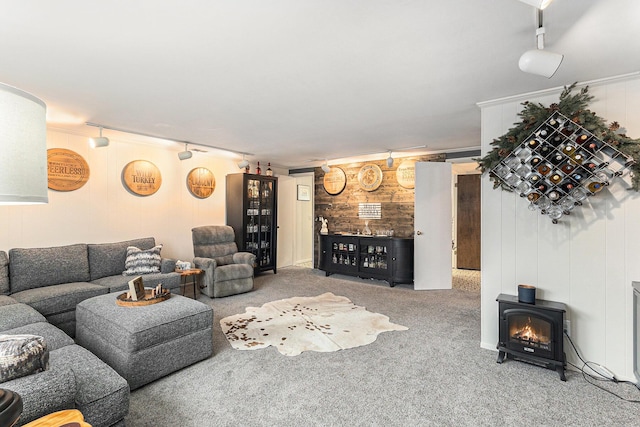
<point x="432" y="226"/>
<point x="286" y="220"/>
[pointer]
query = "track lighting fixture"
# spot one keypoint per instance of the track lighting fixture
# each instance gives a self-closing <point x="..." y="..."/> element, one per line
<point x="325" y="167"/>
<point x="186" y="154"/>
<point x="243" y="163"/>
<point x="389" y="160"/>
<point x="539" y="61"/>
<point x="101" y="141"/>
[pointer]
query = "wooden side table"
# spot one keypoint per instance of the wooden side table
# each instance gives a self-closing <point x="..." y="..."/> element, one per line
<point x="192" y="275"/>
<point x="60" y="418"/>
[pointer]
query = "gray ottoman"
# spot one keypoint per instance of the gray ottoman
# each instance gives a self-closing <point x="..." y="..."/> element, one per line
<point x="148" y="342"/>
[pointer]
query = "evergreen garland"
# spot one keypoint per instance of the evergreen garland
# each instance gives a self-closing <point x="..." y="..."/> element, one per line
<point x="573" y="106"/>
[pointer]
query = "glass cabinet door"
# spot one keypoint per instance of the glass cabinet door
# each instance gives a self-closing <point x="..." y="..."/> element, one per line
<point x="253" y="216"/>
<point x="266" y="222"/>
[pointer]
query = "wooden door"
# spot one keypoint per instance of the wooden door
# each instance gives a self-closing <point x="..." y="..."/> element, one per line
<point x="468" y="220"/>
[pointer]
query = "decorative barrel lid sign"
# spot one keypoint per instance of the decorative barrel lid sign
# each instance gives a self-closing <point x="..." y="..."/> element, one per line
<point x="201" y="182"/>
<point x="66" y="169"/>
<point x="370" y="177"/>
<point x="141" y="177"/>
<point x="406" y="174"/>
<point x="334" y="181"/>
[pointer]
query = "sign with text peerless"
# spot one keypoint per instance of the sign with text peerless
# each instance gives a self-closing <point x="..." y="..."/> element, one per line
<point x="66" y="170"/>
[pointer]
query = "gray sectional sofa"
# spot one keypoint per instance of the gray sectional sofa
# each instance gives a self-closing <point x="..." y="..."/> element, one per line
<point x="54" y="280"/>
<point x="39" y="291"/>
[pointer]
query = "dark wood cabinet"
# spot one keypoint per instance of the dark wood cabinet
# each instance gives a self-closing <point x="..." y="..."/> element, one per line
<point x="252" y="212"/>
<point x="383" y="258"/>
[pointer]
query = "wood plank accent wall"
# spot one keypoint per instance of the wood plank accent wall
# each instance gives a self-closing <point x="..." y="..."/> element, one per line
<point x="341" y="210"/>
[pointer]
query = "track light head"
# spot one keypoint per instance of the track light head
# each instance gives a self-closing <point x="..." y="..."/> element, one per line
<point x="243" y="163"/>
<point x="389" y="160"/>
<point x="540" y="4"/>
<point x="540" y="62"/>
<point x="325" y="167"/>
<point x="101" y="141"/>
<point x="184" y="155"/>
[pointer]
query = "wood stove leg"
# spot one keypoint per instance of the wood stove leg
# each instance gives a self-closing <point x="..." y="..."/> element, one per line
<point x="560" y="370"/>
<point x="501" y="355"/>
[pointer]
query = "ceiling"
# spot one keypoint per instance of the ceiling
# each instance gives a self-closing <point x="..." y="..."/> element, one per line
<point x="293" y="81"/>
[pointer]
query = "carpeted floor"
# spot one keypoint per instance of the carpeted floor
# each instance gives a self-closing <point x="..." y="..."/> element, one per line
<point x="434" y="374"/>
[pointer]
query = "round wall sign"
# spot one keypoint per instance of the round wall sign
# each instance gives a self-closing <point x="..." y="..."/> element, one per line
<point x="66" y="169"/>
<point x="406" y="174"/>
<point x="201" y="182"/>
<point x="334" y="181"/>
<point x="370" y="177"/>
<point x="141" y="177"/>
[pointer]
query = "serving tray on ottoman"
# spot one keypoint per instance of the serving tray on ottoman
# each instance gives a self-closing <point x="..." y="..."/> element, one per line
<point x="147" y="342"/>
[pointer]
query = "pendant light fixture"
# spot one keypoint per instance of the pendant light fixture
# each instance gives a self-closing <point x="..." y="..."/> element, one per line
<point x="186" y="154"/>
<point x="539" y="61"/>
<point x="23" y="138"/>
<point x="101" y="141"/>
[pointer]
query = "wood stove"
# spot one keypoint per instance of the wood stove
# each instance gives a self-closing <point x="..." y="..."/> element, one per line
<point x="532" y="333"/>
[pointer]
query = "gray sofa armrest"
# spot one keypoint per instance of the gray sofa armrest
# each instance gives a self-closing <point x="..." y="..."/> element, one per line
<point x="167" y="265"/>
<point x="244" y="258"/>
<point x="208" y="266"/>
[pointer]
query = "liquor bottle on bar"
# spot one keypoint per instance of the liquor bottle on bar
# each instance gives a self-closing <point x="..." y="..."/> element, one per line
<point x="269" y="172"/>
<point x="258" y="170"/>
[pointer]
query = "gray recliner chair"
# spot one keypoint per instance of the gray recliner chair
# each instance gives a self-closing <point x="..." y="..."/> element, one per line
<point x="226" y="271"/>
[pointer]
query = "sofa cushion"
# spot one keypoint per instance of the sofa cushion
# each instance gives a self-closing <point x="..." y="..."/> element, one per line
<point x="58" y="298"/>
<point x="22" y="355"/>
<point x="45" y="392"/>
<point x="14" y="315"/>
<point x="53" y="336"/>
<point x="142" y="261"/>
<point x="4" y="274"/>
<point x="38" y="267"/>
<point x="107" y="259"/>
<point x="101" y="394"/>
<point x="5" y="300"/>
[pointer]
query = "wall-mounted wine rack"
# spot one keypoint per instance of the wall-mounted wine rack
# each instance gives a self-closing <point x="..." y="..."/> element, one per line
<point x="559" y="166"/>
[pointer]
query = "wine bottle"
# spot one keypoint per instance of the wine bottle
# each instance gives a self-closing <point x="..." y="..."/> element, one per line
<point x="593" y="146"/>
<point x="569" y="150"/>
<point x="556" y="140"/>
<point x="556" y="159"/>
<point x="544" y="169"/>
<point x="577" y="158"/>
<point x="258" y="170"/>
<point x="595" y="187"/>
<point x="535" y="161"/>
<point x="553" y="123"/>
<point x="553" y="195"/>
<point x="581" y="139"/>
<point x="544" y="133"/>
<point x="567" y="129"/>
<point x="544" y="150"/>
<point x="533" y="143"/>
<point x="567" y="185"/>
<point x="567" y="168"/>
<point x="577" y="176"/>
<point x="269" y="172"/>
<point x="555" y="178"/>
<point x="542" y="187"/>
<point x="534" y="179"/>
<point x="532" y="197"/>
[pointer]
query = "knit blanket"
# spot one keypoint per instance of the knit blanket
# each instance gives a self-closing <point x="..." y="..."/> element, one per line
<point x="323" y="323"/>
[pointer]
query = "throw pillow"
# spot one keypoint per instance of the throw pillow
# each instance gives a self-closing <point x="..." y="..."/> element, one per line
<point x="142" y="262"/>
<point x="22" y="355"/>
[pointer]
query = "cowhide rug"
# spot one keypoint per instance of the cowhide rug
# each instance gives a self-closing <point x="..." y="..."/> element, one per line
<point x="323" y="323"/>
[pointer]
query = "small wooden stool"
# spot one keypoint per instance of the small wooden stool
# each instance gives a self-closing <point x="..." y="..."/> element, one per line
<point x="67" y="418"/>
